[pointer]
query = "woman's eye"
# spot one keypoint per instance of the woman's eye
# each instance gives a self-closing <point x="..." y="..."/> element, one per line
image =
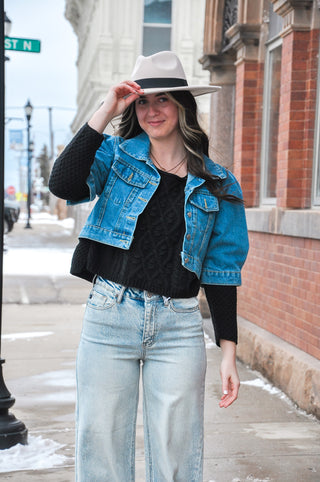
<point x="141" y="101"/>
<point x="163" y="99"/>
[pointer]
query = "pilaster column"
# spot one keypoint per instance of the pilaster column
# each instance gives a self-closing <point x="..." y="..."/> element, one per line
<point x="297" y="104"/>
<point x="221" y="133"/>
<point x="244" y="40"/>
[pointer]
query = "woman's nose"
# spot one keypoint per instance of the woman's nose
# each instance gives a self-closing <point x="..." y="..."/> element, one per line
<point x="153" y="109"/>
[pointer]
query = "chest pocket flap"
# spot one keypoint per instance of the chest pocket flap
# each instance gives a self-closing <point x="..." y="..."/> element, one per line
<point x="131" y="175"/>
<point x="204" y="201"/>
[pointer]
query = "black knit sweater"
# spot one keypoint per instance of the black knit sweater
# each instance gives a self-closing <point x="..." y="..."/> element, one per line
<point x="153" y="260"/>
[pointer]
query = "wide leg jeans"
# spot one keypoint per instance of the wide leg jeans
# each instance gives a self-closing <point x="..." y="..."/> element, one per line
<point x="124" y="329"/>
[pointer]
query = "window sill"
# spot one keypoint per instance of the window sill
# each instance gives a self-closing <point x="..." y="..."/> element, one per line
<point x="304" y="223"/>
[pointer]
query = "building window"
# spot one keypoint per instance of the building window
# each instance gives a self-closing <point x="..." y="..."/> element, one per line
<point x="271" y="104"/>
<point x="156" y="26"/>
<point x="270" y="125"/>
<point x="316" y="163"/>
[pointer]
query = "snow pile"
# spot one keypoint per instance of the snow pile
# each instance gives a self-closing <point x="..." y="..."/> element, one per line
<point x="46" y="218"/>
<point x="259" y="383"/>
<point x="39" y="454"/>
<point x="23" y="261"/>
<point x="40" y="261"/>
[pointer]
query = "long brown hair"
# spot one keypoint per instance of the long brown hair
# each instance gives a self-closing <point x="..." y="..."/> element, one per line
<point x="194" y="138"/>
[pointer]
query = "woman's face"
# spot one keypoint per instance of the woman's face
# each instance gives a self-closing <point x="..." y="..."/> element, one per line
<point x="157" y="115"/>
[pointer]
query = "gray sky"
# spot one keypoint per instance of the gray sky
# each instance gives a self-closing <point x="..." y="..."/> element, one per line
<point x="48" y="79"/>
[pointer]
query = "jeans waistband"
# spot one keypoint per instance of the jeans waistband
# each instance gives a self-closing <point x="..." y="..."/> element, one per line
<point x="122" y="291"/>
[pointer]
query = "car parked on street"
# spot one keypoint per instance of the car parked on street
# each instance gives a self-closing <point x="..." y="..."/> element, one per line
<point x="11" y="215"/>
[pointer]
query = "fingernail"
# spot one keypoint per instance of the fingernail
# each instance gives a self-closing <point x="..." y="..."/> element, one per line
<point x="225" y="392"/>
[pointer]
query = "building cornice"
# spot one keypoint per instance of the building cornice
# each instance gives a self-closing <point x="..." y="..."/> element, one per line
<point x="297" y="14"/>
<point x="244" y="39"/>
<point x="283" y="7"/>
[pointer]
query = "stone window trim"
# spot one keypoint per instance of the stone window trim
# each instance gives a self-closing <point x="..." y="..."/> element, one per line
<point x="302" y="223"/>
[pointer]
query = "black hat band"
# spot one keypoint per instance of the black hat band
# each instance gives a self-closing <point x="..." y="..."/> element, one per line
<point x="154" y="83"/>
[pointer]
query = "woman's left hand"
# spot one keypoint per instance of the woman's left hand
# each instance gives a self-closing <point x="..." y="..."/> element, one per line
<point x="229" y="374"/>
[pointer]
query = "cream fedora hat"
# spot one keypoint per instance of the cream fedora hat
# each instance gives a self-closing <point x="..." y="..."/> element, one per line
<point x="163" y="72"/>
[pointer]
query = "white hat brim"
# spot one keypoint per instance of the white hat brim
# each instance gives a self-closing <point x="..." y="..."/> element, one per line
<point x="194" y="89"/>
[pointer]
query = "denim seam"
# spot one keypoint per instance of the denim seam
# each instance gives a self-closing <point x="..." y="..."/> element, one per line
<point x="199" y="471"/>
<point x="149" y="468"/>
<point x="133" y="434"/>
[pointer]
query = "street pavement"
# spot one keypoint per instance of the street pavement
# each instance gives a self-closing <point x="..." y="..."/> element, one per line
<point x="261" y="437"/>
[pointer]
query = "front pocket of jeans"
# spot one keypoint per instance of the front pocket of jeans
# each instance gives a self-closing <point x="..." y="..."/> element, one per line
<point x="100" y="300"/>
<point x="184" y="305"/>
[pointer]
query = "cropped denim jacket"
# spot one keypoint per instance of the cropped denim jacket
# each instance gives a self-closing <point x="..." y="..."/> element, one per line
<point x="124" y="178"/>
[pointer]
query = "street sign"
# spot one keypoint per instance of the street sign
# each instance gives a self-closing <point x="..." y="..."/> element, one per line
<point x="22" y="44"/>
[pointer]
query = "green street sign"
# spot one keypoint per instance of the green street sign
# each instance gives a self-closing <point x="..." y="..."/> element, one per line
<point x="22" y="44"/>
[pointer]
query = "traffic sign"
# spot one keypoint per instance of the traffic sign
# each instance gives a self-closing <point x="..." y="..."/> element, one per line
<point x="22" y="44"/>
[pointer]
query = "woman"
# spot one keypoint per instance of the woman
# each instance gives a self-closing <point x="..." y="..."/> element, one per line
<point x="168" y="220"/>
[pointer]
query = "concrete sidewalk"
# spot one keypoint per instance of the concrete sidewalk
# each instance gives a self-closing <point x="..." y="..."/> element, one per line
<point x="262" y="437"/>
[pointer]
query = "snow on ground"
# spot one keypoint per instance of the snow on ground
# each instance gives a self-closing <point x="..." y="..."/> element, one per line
<point x="26" y="457"/>
<point x="259" y="383"/>
<point x="40" y="261"/>
<point x="26" y="336"/>
<point x="40" y="453"/>
<point x="46" y="218"/>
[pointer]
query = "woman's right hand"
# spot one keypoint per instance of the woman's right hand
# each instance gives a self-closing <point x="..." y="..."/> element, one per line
<point x="119" y="97"/>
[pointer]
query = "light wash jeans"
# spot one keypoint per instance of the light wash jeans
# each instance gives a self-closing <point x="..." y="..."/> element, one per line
<point x="123" y="326"/>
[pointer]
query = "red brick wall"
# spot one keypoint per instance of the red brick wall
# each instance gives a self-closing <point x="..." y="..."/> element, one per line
<point x="296" y="118"/>
<point x="248" y="129"/>
<point x="280" y="290"/>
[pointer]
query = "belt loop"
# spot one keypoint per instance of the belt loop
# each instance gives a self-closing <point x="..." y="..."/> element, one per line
<point x="119" y="296"/>
<point x="166" y="300"/>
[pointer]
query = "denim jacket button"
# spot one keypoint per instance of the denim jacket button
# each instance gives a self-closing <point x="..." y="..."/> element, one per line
<point x="189" y="214"/>
<point x="188" y="236"/>
<point x="186" y="260"/>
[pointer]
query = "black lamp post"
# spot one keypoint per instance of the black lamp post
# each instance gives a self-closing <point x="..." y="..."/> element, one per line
<point x="12" y="431"/>
<point x="7" y="29"/>
<point x="28" y="108"/>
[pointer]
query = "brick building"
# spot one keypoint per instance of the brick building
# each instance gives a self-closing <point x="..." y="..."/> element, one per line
<point x="265" y="124"/>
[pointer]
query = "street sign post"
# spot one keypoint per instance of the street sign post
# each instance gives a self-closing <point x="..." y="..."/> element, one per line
<point x="22" y="44"/>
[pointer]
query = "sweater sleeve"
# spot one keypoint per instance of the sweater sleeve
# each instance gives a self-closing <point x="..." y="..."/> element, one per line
<point x="222" y="301"/>
<point x="71" y="169"/>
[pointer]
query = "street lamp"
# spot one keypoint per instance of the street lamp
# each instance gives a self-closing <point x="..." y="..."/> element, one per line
<point x="12" y="431"/>
<point x="7" y="25"/>
<point x="28" y="112"/>
<point x="7" y="29"/>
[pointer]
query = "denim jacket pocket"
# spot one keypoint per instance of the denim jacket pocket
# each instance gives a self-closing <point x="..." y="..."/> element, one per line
<point x="205" y="201"/>
<point x="130" y="174"/>
<point x="184" y="305"/>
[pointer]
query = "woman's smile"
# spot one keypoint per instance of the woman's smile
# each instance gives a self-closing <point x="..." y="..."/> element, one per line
<point x="157" y="115"/>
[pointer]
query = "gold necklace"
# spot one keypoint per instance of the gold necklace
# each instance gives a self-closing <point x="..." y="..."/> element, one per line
<point x="168" y="170"/>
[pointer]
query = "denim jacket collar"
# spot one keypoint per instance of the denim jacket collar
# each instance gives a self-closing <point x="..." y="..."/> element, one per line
<point x="139" y="148"/>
